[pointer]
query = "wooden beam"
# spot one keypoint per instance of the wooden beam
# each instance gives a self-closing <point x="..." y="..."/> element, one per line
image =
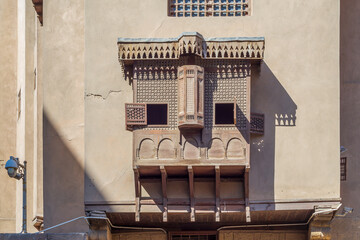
<point x="164" y="192"/>
<point x="217" y="193"/>
<point x="246" y="187"/>
<point x="137" y="194"/>
<point x="191" y="193"/>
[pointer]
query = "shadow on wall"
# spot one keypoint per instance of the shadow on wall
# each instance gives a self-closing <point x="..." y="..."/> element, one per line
<point x="268" y="96"/>
<point x="64" y="176"/>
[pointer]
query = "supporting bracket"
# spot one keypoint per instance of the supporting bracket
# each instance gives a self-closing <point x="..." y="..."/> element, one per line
<point x="164" y="192"/>
<point x="217" y="193"/>
<point x="137" y="194"/>
<point x="191" y="193"/>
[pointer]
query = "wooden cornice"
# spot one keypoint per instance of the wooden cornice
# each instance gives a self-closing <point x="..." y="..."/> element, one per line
<point x="38" y="5"/>
<point x="132" y="49"/>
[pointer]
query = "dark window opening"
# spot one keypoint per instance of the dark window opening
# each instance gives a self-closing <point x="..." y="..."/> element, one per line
<point x="224" y="113"/>
<point x="157" y="114"/>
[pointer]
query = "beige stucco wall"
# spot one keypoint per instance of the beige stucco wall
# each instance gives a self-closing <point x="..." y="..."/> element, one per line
<point x="348" y="227"/>
<point x="299" y="75"/>
<point x="63" y="87"/>
<point x="8" y="61"/>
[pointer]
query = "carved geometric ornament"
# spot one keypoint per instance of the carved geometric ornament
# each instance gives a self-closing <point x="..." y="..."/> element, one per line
<point x="131" y="49"/>
<point x="257" y="123"/>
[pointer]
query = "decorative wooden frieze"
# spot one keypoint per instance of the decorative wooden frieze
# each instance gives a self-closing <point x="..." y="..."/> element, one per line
<point x="257" y="123"/>
<point x="191" y="96"/>
<point x="135" y="114"/>
<point x="208" y="8"/>
<point x="131" y="49"/>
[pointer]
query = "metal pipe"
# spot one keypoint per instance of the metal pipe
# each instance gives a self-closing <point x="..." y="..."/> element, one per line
<point x="102" y="218"/>
<point x="24" y="228"/>
<point x="281" y="224"/>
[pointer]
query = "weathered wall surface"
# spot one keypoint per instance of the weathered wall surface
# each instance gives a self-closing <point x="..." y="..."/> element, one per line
<point x="45" y="236"/>
<point x="297" y="89"/>
<point x="63" y="87"/>
<point x="249" y="235"/>
<point x="348" y="227"/>
<point x="140" y="235"/>
<point x="8" y="62"/>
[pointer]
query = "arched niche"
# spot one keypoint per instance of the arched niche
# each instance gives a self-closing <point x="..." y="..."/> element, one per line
<point x="191" y="149"/>
<point x="216" y="149"/>
<point x="166" y="149"/>
<point x="147" y="149"/>
<point x="235" y="149"/>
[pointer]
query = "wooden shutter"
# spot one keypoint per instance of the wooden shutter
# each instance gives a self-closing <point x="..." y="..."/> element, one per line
<point x="135" y="114"/>
<point x="257" y="123"/>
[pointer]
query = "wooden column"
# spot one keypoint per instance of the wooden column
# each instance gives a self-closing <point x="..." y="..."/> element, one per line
<point x="246" y="187"/>
<point x="217" y="193"/>
<point x="137" y="194"/>
<point x="164" y="192"/>
<point x="191" y="193"/>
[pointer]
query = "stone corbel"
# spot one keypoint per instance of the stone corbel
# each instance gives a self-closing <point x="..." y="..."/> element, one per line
<point x="319" y="227"/>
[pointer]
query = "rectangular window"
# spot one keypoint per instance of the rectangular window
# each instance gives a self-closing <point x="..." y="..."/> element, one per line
<point x="208" y="8"/>
<point x="157" y="114"/>
<point x="343" y="169"/>
<point x="224" y="113"/>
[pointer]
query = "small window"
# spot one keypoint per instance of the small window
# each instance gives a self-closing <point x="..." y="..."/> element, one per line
<point x="224" y="113"/>
<point x="343" y="169"/>
<point x="206" y="8"/>
<point x="157" y="114"/>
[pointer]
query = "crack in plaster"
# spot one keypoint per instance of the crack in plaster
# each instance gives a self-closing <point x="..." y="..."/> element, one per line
<point x="97" y="95"/>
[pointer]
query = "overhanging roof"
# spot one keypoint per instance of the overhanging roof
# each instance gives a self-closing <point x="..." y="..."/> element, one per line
<point x="191" y="43"/>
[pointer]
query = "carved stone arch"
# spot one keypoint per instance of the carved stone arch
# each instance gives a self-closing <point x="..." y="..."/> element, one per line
<point x="166" y="149"/>
<point x="191" y="149"/>
<point x="216" y="149"/>
<point x="147" y="149"/>
<point x="235" y="149"/>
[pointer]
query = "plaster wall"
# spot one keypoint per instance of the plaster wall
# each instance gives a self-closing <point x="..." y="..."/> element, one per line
<point x="348" y="227"/>
<point x="298" y="78"/>
<point x="8" y="79"/>
<point x="62" y="50"/>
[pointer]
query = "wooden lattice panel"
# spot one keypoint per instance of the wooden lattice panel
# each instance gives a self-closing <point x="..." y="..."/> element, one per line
<point x="208" y="8"/>
<point x="135" y="114"/>
<point x="257" y="123"/>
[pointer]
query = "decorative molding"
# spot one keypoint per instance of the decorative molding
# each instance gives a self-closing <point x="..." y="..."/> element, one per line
<point x="132" y="49"/>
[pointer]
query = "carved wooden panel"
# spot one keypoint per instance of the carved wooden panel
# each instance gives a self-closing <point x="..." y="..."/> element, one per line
<point x="216" y="149"/>
<point x="135" y="114"/>
<point x="147" y="149"/>
<point x="166" y="149"/>
<point x="226" y="81"/>
<point x="191" y="96"/>
<point x="257" y="123"/>
<point x="156" y="82"/>
<point x="235" y="149"/>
